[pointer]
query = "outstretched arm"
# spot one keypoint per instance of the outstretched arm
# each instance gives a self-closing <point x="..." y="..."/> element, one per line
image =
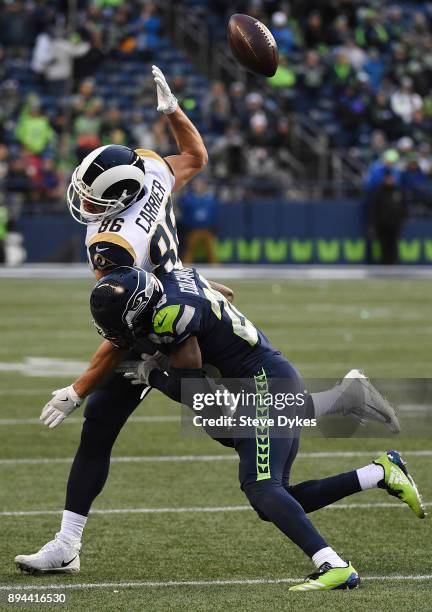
<point x="102" y="365"/>
<point x="65" y="401"/>
<point x="193" y="154"/>
<point x="227" y="292"/>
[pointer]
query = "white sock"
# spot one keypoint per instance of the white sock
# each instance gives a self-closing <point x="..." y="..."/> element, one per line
<point x="328" y="555"/>
<point x="370" y="475"/>
<point x="72" y="527"/>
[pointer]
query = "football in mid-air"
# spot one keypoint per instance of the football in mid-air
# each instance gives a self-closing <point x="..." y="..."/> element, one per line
<point x="253" y="45"/>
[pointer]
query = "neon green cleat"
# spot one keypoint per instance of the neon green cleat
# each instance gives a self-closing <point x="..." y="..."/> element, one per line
<point x="398" y="482"/>
<point x="329" y="578"/>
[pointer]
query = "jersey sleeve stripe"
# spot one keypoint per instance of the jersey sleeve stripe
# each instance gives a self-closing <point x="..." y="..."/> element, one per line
<point x="185" y="319"/>
<point x="153" y="155"/>
<point x="115" y="239"/>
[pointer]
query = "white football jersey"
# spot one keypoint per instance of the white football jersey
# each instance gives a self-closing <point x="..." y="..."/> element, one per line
<point x="144" y="234"/>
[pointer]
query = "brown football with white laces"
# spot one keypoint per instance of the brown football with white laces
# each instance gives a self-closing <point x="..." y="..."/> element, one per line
<point x="253" y="45"/>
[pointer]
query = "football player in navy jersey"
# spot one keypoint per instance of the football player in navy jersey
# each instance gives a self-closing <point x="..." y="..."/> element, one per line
<point x="186" y="319"/>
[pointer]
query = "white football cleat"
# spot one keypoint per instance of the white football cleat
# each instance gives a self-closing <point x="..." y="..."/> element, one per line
<point x="366" y="402"/>
<point x="56" y="556"/>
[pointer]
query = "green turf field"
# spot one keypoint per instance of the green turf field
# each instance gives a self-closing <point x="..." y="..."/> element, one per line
<point x="325" y="328"/>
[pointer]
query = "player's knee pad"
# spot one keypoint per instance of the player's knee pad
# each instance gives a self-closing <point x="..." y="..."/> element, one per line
<point x="101" y="407"/>
<point x="227" y="442"/>
<point x="260" y="494"/>
<point x="261" y="515"/>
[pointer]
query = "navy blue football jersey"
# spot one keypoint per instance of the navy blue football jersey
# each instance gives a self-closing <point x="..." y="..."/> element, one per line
<point x="191" y="307"/>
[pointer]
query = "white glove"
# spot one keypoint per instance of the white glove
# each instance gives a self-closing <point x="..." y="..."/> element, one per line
<point x="167" y="102"/>
<point x="64" y="402"/>
<point x="139" y="372"/>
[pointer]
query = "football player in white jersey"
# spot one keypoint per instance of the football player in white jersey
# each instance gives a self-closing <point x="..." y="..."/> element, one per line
<point x="124" y="198"/>
<point x="145" y="231"/>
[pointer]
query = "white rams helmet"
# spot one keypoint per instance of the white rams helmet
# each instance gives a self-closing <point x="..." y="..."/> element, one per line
<point x="108" y="180"/>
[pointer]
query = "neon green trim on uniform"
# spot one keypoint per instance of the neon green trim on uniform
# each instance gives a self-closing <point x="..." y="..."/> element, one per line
<point x="262" y="434"/>
<point x="163" y="322"/>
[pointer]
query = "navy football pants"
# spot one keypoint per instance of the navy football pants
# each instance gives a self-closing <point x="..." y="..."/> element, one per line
<point x="106" y="412"/>
<point x="272" y="497"/>
<point x="266" y="460"/>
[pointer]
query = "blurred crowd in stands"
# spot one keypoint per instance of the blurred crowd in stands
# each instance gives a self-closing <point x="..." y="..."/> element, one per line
<point x="361" y="71"/>
<point x="52" y="112"/>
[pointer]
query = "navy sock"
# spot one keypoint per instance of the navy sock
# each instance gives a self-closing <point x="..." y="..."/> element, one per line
<point x="315" y="494"/>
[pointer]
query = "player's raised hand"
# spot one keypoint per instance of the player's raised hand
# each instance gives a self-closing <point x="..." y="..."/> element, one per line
<point x="167" y="102"/>
<point x="63" y="402"/>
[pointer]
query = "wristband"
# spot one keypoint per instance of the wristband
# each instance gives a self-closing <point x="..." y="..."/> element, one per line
<point x="73" y="395"/>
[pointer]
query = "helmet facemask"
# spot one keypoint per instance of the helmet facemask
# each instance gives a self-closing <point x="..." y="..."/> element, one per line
<point x="78" y="194"/>
<point x="121" y="338"/>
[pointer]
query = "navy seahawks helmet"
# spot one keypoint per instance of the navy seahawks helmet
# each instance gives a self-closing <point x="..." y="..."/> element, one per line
<point x="122" y="305"/>
<point x="108" y="180"/>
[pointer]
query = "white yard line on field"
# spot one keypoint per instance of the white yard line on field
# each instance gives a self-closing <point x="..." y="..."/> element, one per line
<point x="198" y="509"/>
<point x="74" y="420"/>
<point x="44" y="367"/>
<point x="128" y="459"/>
<point x="191" y="583"/>
<point x="405" y="411"/>
<point x="205" y="458"/>
<point x="30" y="392"/>
<point x="192" y="509"/>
